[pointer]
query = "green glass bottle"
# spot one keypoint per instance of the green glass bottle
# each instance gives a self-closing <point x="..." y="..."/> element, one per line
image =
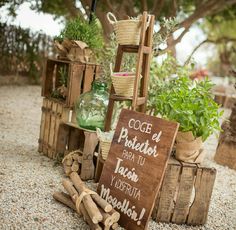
<point x="91" y="107"/>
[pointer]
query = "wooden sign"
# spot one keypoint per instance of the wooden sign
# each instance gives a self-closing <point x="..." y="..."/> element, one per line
<point x="135" y="166"/>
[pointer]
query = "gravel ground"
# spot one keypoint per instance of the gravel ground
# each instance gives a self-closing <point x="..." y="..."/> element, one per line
<point x="28" y="179"/>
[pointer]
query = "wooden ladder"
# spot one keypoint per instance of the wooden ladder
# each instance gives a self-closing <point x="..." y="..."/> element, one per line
<point x="144" y="52"/>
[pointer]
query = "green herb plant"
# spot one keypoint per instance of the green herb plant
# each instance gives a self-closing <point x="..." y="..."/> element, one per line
<point x="190" y="103"/>
<point x="63" y="76"/>
<point x="78" y="29"/>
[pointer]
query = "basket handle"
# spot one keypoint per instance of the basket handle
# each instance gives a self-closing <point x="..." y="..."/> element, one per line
<point x="111" y="18"/>
<point x="111" y="68"/>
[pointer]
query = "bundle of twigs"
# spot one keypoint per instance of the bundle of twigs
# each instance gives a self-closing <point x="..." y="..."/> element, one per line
<point x="95" y="210"/>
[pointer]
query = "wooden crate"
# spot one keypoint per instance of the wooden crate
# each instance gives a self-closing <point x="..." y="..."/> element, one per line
<point x="185" y="194"/>
<point x="70" y="138"/>
<point x="53" y="113"/>
<point x="80" y="77"/>
<point x="226" y="149"/>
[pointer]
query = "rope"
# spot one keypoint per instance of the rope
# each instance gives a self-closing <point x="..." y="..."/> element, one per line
<point x="84" y="193"/>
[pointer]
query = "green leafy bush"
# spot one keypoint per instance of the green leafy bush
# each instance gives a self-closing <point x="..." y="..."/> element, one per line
<point x="190" y="103"/>
<point x="78" y="29"/>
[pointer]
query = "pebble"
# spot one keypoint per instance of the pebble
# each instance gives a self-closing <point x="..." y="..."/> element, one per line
<point x="28" y="179"/>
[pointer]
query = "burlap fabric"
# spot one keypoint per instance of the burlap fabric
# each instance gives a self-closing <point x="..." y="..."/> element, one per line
<point x="188" y="148"/>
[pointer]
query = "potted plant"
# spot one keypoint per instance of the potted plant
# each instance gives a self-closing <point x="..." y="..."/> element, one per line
<point x="191" y="104"/>
<point x="78" y="39"/>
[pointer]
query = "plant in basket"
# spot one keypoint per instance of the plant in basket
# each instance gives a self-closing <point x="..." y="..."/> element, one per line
<point x="191" y="104"/>
<point x="78" y="39"/>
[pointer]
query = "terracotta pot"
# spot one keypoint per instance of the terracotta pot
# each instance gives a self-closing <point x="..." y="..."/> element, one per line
<point x="188" y="148"/>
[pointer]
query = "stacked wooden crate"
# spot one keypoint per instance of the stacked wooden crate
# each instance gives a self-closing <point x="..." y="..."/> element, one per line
<point x="55" y="111"/>
<point x="185" y="194"/>
<point x="83" y="142"/>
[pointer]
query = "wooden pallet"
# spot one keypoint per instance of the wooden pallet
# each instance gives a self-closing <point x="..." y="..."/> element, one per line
<point x="53" y="113"/>
<point x="80" y="77"/>
<point x="185" y="194"/>
<point x="70" y="138"/>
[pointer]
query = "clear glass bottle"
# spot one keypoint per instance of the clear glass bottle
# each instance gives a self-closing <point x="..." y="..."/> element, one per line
<point x="91" y="107"/>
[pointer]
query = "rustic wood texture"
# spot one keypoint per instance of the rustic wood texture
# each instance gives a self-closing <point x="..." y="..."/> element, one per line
<point x="226" y="149"/>
<point x="80" y="77"/>
<point x="146" y="182"/>
<point x="88" y="202"/>
<point x="165" y="203"/>
<point x="42" y="126"/>
<point x="53" y="113"/>
<point x="204" y="184"/>
<point x="185" y="194"/>
<point x="144" y="53"/>
<point x="226" y="153"/>
<point x="70" y="138"/>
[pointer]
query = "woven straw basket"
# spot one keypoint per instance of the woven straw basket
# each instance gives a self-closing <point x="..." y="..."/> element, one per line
<point x="127" y="31"/>
<point x="123" y="83"/>
<point x="105" y="146"/>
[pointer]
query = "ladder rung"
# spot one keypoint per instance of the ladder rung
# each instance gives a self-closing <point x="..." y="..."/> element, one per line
<point x="134" y="49"/>
<point x="140" y="100"/>
<point x="120" y="98"/>
<point x="147" y="50"/>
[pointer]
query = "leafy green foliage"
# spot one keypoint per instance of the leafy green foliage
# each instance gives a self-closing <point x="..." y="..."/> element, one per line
<point x="189" y="103"/>
<point x="106" y="57"/>
<point x="63" y="75"/>
<point x="78" y="29"/>
<point x="161" y="71"/>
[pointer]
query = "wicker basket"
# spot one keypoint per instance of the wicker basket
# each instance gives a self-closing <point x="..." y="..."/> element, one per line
<point x="123" y="83"/>
<point x="105" y="146"/>
<point x="127" y="31"/>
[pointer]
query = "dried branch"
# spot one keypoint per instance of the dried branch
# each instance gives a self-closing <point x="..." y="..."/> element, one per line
<point x="217" y="41"/>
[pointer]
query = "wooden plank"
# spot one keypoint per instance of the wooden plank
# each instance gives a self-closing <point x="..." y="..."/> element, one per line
<point x="62" y="139"/>
<point x="226" y="152"/>
<point x="146" y="64"/>
<point x="184" y="195"/>
<point x="90" y="143"/>
<point x="52" y="132"/>
<point x="131" y="177"/>
<point x="47" y="79"/>
<point x="99" y="167"/>
<point x="47" y="126"/>
<point x="58" y="120"/>
<point x="89" y="76"/>
<point x="73" y="142"/>
<point x="203" y="190"/>
<point x="167" y="194"/>
<point x="76" y="73"/>
<point x="42" y="125"/>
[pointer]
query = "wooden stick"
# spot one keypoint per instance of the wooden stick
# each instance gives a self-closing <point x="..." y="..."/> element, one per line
<point x="68" y="161"/>
<point x="115" y="226"/>
<point x="64" y="199"/>
<point x="88" y="202"/>
<point x="75" y="166"/>
<point x="102" y="203"/>
<point x="67" y="169"/>
<point x="115" y="215"/>
<point x="88" y="219"/>
<point x="107" y="219"/>
<point x="70" y="189"/>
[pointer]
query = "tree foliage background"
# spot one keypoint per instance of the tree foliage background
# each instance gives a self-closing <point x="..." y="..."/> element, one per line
<point x="186" y="12"/>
